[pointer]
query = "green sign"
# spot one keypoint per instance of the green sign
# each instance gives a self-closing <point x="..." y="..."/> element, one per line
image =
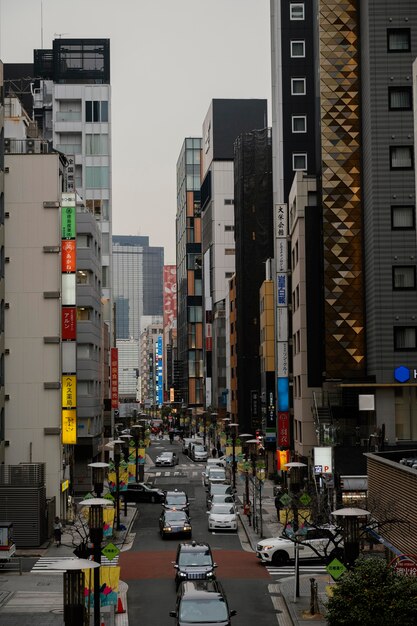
<point x="336" y="569"/>
<point x="110" y="551"/>
<point x="68" y="222"/>
<point x="305" y="499"/>
<point x="285" y="500"/>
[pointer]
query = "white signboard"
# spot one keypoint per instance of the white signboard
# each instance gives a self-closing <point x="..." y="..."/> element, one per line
<point x="323" y="460"/>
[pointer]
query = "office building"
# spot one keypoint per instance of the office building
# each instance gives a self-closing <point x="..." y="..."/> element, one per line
<point x="2" y="329"/>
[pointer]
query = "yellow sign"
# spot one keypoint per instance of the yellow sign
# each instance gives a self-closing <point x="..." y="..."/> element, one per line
<point x="69" y="426"/>
<point x="69" y="392"/>
<point x="64" y="485"/>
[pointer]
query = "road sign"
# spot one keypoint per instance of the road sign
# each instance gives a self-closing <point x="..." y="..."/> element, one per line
<point x="336" y="569"/>
<point x="110" y="551"/>
<point x="305" y="499"/>
<point x="405" y="565"/>
<point x="285" y="499"/>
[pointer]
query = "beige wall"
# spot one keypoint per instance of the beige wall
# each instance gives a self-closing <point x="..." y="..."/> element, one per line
<point x="30" y="181"/>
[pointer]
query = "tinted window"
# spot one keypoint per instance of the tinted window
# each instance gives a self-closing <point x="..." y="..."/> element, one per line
<point x="195" y="558"/>
<point x="210" y="610"/>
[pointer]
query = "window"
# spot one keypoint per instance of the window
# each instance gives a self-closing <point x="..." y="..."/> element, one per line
<point x="84" y="314"/>
<point x="297" y="49"/>
<point x="298" y="86"/>
<point x="96" y="111"/>
<point x="229" y="227"/>
<point x="84" y="241"/>
<point x="229" y="201"/>
<point x="403" y="277"/>
<point x="402" y="217"/>
<point x="229" y="251"/>
<point x="296" y="11"/>
<point x="99" y="208"/>
<point x="83" y="277"/>
<point x="400" y="98"/>
<point x="398" y="40"/>
<point x="299" y="162"/>
<point x="97" y="177"/>
<point x="401" y="157"/>
<point x="405" y="337"/>
<point x="299" y="124"/>
<point x="97" y="144"/>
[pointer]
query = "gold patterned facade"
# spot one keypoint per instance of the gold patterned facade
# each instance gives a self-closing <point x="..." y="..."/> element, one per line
<point x="341" y="188"/>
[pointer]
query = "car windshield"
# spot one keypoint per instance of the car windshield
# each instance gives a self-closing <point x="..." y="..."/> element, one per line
<point x="175" y="516"/>
<point x="203" y="611"/>
<point x="220" y="489"/>
<point x="165" y="455"/>
<point x="176" y="499"/>
<point x="215" y="473"/>
<point x="222" y="509"/>
<point x="199" y="449"/>
<point x="195" y="558"/>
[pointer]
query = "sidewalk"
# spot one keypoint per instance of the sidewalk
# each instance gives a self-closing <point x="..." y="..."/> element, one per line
<point x="34" y="599"/>
<point x="290" y="611"/>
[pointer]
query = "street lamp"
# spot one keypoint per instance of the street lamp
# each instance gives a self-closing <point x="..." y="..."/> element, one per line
<point x="136" y="429"/>
<point x="350" y="519"/>
<point x="99" y="470"/>
<point x="115" y="446"/>
<point x="233" y="432"/>
<point x="95" y="526"/>
<point x="295" y="468"/>
<point x="75" y="612"/>
<point x="245" y="437"/>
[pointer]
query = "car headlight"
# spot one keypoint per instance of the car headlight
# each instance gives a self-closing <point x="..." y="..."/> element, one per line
<point x="167" y="529"/>
<point x="187" y="527"/>
<point x="210" y="573"/>
<point x="265" y="548"/>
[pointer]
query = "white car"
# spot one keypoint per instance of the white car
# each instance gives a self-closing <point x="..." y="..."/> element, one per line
<point x="214" y="475"/>
<point x="167" y="459"/>
<point x="223" y="498"/>
<point x="199" y="452"/>
<point x="215" y="462"/>
<point x="222" y="517"/>
<point x="279" y="550"/>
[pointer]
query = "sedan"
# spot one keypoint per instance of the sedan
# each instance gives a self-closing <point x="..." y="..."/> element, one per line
<point x="174" y="523"/>
<point x="142" y="492"/>
<point x="222" y="517"/>
<point x="167" y="459"/>
<point x="223" y="498"/>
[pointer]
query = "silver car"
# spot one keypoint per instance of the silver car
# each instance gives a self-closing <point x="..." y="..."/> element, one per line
<point x="168" y="459"/>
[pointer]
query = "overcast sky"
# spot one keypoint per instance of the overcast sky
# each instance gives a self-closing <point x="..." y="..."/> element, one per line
<point x="169" y="59"/>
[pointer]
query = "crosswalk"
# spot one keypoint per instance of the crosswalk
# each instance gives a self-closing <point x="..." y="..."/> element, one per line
<point x="288" y="570"/>
<point x="42" y="564"/>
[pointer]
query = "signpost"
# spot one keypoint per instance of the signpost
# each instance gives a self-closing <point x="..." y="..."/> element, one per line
<point x="336" y="569"/>
<point x="110" y="551"/>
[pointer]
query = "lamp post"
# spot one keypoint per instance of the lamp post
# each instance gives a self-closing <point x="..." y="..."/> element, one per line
<point x="99" y="470"/>
<point x="125" y="450"/>
<point x="213" y="418"/>
<point x="95" y="525"/>
<point x="115" y="446"/>
<point x="136" y="433"/>
<point x="295" y="483"/>
<point x="75" y="613"/>
<point x="245" y="437"/>
<point x="233" y="431"/>
<point x="350" y="521"/>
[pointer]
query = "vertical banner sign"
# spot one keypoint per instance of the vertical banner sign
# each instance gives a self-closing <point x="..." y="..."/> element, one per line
<point x="281" y="285"/>
<point x="114" y="360"/>
<point x="68" y="319"/>
<point x="159" y="371"/>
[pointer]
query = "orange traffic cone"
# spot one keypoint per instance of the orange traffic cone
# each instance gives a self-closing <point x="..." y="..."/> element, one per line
<point x="120" y="608"/>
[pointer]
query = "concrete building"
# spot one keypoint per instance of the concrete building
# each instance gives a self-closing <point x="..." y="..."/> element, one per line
<point x="151" y="366"/>
<point x="2" y="329"/>
<point x="189" y="390"/>
<point x="224" y="122"/>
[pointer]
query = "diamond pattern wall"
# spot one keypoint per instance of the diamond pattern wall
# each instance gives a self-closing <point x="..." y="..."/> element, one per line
<point x="341" y="187"/>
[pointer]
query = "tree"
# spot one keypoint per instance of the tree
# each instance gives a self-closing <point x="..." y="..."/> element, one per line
<point x="371" y="594"/>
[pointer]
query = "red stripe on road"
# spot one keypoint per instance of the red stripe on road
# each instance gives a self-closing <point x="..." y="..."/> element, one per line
<point x="151" y="565"/>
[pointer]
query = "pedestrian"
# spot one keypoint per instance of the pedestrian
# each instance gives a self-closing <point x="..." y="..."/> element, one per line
<point x="248" y="512"/>
<point x="214" y="452"/>
<point x="57" y="531"/>
<point x="277" y="503"/>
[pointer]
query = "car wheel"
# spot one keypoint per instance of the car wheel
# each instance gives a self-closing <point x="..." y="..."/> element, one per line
<point x="153" y="499"/>
<point x="280" y="558"/>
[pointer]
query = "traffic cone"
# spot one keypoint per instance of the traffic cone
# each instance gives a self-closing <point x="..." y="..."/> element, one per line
<point x="120" y="608"/>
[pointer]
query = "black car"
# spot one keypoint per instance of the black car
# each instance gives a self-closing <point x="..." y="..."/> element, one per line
<point x="194" y="561"/>
<point x="202" y="602"/>
<point x="142" y="492"/>
<point x="174" y="523"/>
<point x="176" y="501"/>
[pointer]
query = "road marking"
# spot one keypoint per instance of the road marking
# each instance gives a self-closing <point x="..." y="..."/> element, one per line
<point x="157" y="473"/>
<point x="42" y="564"/>
<point x="290" y="570"/>
<point x="283" y="616"/>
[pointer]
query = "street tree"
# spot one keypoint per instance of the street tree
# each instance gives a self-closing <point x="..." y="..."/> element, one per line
<point x="372" y="593"/>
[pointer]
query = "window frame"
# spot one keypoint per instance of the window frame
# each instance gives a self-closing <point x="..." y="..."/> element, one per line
<point x="297" y="41"/>
<point x="413" y="215"/>
<point x="293" y="5"/>
<point x="303" y="79"/>
<point x="405" y="88"/>
<point x="298" y="117"/>
<point x="299" y="154"/>
<point x="403" y="267"/>
<point x="392" y="31"/>
<point x="399" y="328"/>
<point x="401" y="169"/>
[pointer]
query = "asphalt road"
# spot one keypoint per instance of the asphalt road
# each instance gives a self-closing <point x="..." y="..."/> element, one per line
<point x="148" y="569"/>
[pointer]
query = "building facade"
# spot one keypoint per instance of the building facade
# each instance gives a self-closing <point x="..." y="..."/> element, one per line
<point x="2" y="333"/>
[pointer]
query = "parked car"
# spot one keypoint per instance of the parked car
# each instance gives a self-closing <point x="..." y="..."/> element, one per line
<point x="202" y="602"/>
<point x="218" y="489"/>
<point x="173" y="523"/>
<point x="194" y="561"/>
<point x="176" y="501"/>
<point x="279" y="550"/>
<point x="198" y="452"/>
<point x="168" y="459"/>
<point x="222" y="517"/>
<point x="213" y="475"/>
<point x="142" y="492"/>
<point x="222" y="498"/>
<point x="215" y="462"/>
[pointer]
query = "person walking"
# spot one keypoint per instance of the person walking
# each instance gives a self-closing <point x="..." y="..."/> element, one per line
<point x="277" y="503"/>
<point x="57" y="531"/>
<point x="248" y="512"/>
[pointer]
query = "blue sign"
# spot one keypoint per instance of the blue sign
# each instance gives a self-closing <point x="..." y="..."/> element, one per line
<point x="283" y="394"/>
<point x="402" y="374"/>
<point x="159" y="371"/>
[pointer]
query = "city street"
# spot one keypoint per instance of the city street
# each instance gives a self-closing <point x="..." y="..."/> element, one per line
<point x="148" y="570"/>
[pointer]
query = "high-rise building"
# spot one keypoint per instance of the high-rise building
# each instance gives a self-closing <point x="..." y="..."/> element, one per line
<point x="137" y="292"/>
<point x="224" y="122"/>
<point x="2" y="417"/>
<point x="342" y="90"/>
<point x="189" y="385"/>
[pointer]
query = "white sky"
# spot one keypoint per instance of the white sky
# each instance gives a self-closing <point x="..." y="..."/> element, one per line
<point x="169" y="59"/>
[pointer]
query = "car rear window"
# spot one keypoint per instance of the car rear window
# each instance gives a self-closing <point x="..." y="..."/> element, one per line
<point x="203" y="611"/>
